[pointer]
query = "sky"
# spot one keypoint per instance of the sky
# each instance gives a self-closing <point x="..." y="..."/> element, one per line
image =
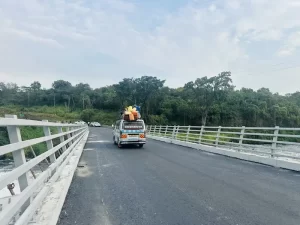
<point x="100" y="42"/>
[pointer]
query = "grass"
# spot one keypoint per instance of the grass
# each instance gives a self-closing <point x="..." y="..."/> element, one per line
<point x="208" y="138"/>
<point x="105" y="118"/>
<point x="28" y="133"/>
<point x="52" y="114"/>
<point x="58" y="113"/>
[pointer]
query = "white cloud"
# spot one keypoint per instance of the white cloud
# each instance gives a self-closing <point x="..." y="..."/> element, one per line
<point x="212" y="7"/>
<point x="121" y="5"/>
<point x="267" y="20"/>
<point x="30" y="36"/>
<point x="290" y="44"/>
<point x="22" y="79"/>
<point x="285" y="52"/>
<point x="233" y="4"/>
<point x="59" y="31"/>
<point x="198" y="39"/>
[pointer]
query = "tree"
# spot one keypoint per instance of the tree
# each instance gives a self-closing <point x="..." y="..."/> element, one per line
<point x="81" y="96"/>
<point x="27" y="90"/>
<point x="106" y="98"/>
<point x="36" y="86"/>
<point x="147" y="87"/>
<point x="207" y="91"/>
<point x="126" y="91"/>
<point x="205" y="101"/>
<point x="87" y="114"/>
<point x="9" y="93"/>
<point x="61" y="85"/>
<point x="141" y="91"/>
<point x="61" y="91"/>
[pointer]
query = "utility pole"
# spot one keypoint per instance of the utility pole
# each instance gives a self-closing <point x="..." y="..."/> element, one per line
<point x="69" y="100"/>
<point x="54" y="99"/>
<point x="28" y="97"/>
<point x="82" y="102"/>
<point x="27" y="89"/>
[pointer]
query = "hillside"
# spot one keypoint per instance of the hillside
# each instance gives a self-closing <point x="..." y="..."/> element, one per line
<point x="59" y="113"/>
<point x="40" y="113"/>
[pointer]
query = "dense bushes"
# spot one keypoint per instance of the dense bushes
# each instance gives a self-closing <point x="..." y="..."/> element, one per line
<point x="103" y="117"/>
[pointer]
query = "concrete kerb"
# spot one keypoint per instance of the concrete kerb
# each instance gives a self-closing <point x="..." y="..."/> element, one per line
<point x="233" y="154"/>
<point x="50" y="211"/>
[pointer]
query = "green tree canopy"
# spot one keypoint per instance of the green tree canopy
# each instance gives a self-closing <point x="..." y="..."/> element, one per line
<point x="205" y="101"/>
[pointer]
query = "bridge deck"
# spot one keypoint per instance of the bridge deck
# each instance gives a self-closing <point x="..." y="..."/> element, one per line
<point x="168" y="184"/>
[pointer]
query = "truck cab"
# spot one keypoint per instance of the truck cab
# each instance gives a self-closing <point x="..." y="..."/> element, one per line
<point x="129" y="132"/>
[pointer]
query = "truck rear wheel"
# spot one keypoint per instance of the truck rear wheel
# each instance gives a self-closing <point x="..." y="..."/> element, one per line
<point x="141" y="145"/>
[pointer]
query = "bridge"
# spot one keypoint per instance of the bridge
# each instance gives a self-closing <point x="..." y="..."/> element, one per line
<point x="183" y="175"/>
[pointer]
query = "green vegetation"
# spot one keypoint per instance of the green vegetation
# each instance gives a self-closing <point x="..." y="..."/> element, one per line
<point x="57" y="113"/>
<point x="40" y="113"/>
<point x="205" y="101"/>
<point x="209" y="138"/>
<point x="104" y="117"/>
<point x="26" y="133"/>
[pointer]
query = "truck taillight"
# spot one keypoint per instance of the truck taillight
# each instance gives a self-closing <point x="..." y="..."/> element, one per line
<point x="123" y="136"/>
<point x="142" y="135"/>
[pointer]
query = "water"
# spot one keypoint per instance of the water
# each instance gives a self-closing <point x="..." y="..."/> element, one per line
<point x="7" y="165"/>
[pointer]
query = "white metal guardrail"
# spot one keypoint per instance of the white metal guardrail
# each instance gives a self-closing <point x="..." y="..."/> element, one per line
<point x="21" y="207"/>
<point x="273" y="142"/>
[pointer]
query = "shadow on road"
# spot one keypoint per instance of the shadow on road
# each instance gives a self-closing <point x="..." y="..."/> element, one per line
<point x="130" y="147"/>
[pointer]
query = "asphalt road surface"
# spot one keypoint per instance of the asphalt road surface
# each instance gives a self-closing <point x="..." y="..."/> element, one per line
<point x="172" y="185"/>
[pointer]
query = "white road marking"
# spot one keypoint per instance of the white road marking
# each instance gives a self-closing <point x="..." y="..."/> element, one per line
<point x="107" y="165"/>
<point x="98" y="141"/>
<point x="208" y="153"/>
<point x="89" y="149"/>
<point x="93" y="135"/>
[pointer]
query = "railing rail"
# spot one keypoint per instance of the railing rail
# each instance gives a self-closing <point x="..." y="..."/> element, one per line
<point x="269" y="141"/>
<point x="23" y="205"/>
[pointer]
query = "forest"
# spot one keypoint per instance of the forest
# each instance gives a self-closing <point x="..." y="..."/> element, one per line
<point x="204" y="101"/>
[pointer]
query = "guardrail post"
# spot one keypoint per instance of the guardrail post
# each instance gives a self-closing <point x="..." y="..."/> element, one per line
<point x="218" y="135"/>
<point x="166" y="130"/>
<point x="14" y="135"/>
<point x="187" y="134"/>
<point x="62" y="138"/>
<point x="154" y="130"/>
<point x="274" y="143"/>
<point x="49" y="143"/>
<point x="176" y="132"/>
<point x="73" y="133"/>
<point x="173" y="132"/>
<point x="77" y="132"/>
<point x="150" y="129"/>
<point x="201" y="133"/>
<point x="241" y="137"/>
<point x="68" y="135"/>
<point x="159" y="130"/>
